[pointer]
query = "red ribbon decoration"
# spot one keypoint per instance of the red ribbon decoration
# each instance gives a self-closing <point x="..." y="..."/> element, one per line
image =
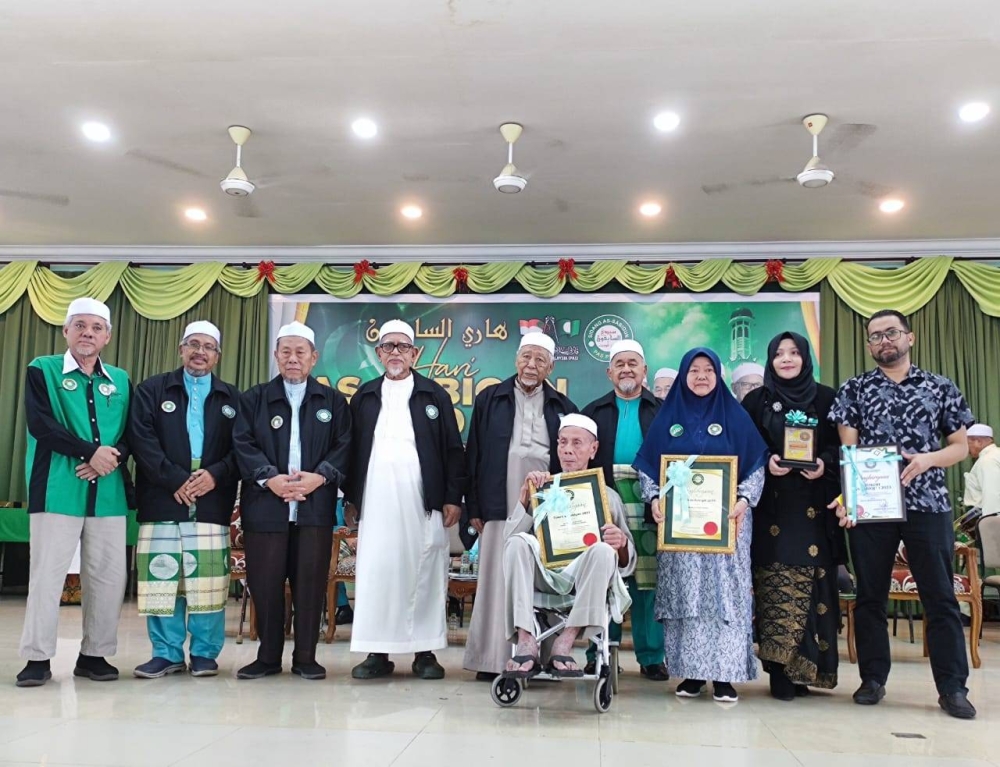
<point x="567" y="268"/>
<point x="461" y="275"/>
<point x="362" y="269"/>
<point x="775" y="270"/>
<point x="265" y="271"/>
<point x="672" y="279"/>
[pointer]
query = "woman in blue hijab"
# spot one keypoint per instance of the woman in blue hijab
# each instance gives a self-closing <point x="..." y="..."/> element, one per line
<point x="705" y="601"/>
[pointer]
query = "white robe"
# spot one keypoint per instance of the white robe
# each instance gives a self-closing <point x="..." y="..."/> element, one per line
<point x="403" y="554"/>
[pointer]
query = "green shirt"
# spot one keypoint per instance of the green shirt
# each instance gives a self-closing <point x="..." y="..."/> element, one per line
<point x="628" y="438"/>
<point x="70" y="415"/>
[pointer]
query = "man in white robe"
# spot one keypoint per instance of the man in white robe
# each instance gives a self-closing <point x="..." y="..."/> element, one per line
<point x="589" y="577"/>
<point x="407" y="479"/>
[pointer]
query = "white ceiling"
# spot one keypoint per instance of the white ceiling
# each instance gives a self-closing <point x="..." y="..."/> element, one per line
<point x="584" y="76"/>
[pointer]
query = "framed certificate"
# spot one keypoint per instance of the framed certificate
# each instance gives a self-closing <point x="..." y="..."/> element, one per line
<point x="873" y="491"/>
<point x="696" y="516"/>
<point x="564" y="536"/>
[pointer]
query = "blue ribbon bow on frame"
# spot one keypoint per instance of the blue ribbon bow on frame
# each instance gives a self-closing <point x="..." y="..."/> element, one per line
<point x="678" y="476"/>
<point x="554" y="501"/>
<point x="849" y="457"/>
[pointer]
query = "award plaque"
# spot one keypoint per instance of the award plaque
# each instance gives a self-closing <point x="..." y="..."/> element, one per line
<point x="799" y="449"/>
<point x="873" y="491"/>
<point x="701" y="492"/>
<point x="564" y="535"/>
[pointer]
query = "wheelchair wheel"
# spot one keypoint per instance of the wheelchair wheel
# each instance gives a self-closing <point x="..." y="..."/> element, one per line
<point x="614" y="670"/>
<point x="505" y="692"/>
<point x="603" y="694"/>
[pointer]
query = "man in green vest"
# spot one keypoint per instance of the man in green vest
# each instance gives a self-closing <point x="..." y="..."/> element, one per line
<point x="77" y="410"/>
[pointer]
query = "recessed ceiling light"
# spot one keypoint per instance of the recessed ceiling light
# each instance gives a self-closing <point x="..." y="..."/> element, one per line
<point x="96" y="131"/>
<point x="974" y="112"/>
<point x="650" y="209"/>
<point x="196" y="214"/>
<point x="667" y="121"/>
<point x="891" y="206"/>
<point x="411" y="211"/>
<point x="364" y="128"/>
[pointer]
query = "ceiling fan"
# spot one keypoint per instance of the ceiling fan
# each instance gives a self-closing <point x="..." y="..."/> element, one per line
<point x="510" y="181"/>
<point x="50" y="199"/>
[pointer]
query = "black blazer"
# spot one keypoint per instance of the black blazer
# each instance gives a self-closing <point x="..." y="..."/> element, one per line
<point x="489" y="442"/>
<point x="439" y="442"/>
<point x="161" y="446"/>
<point x="262" y="436"/>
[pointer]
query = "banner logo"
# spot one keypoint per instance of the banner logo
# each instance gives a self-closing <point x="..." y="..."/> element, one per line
<point x="602" y="332"/>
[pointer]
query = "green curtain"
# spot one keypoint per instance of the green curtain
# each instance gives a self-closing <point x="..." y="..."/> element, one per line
<point x="953" y="337"/>
<point x="141" y="346"/>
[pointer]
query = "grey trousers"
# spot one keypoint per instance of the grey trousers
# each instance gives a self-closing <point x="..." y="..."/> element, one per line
<point x="103" y="573"/>
<point x="591" y="572"/>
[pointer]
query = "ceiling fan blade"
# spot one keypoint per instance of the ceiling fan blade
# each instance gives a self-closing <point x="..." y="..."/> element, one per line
<point x="712" y="189"/>
<point x="870" y="189"/>
<point x="163" y="162"/>
<point x="245" y="207"/>
<point x="51" y="199"/>
<point x="846" y="137"/>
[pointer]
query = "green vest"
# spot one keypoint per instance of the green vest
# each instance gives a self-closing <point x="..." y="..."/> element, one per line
<point x="70" y="395"/>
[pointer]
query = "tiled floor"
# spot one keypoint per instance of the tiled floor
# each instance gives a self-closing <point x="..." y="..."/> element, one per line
<point x="286" y="721"/>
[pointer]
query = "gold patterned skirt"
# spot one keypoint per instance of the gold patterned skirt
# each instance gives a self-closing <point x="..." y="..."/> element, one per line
<point x="797" y="619"/>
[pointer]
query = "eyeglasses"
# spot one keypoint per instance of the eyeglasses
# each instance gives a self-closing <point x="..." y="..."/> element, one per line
<point x="389" y="347"/>
<point x="891" y="334"/>
<point x="195" y="346"/>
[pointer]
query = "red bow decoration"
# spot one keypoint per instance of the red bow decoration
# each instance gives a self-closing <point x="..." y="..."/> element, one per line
<point x="461" y="275"/>
<point x="775" y="270"/>
<point x="672" y="279"/>
<point x="363" y="269"/>
<point x="265" y="271"/>
<point x="567" y="268"/>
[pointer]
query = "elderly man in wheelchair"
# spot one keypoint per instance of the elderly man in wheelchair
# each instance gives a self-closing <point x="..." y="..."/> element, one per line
<point x="592" y="581"/>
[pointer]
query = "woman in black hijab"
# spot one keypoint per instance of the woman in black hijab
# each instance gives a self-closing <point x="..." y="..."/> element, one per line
<point x="797" y="544"/>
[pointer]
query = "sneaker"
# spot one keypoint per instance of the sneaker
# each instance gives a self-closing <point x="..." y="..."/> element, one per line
<point x="94" y="668"/>
<point x="723" y="692"/>
<point x="203" y="666"/>
<point x="869" y="693"/>
<point x="957" y="704"/>
<point x="258" y="670"/>
<point x="690" y="688"/>
<point x="344" y="615"/>
<point x="157" y="667"/>
<point x="425" y="666"/>
<point x="655" y="673"/>
<point x="311" y="670"/>
<point x="34" y="674"/>
<point x="375" y="665"/>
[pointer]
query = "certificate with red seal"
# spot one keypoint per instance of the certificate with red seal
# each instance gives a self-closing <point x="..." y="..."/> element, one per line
<point x="700" y="493"/>
<point x="574" y="526"/>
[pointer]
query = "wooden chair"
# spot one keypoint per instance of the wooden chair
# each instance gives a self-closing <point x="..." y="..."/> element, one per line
<point x="988" y="533"/>
<point x="342" y="570"/>
<point x="967" y="589"/>
<point x="238" y="565"/>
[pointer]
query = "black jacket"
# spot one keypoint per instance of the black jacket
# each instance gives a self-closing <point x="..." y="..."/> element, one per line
<point x="489" y="442"/>
<point x="162" y="449"/>
<point x="262" y="442"/>
<point x="439" y="442"/>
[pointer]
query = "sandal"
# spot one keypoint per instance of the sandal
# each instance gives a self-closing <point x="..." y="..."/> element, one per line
<point x="564" y="673"/>
<point x="520" y="660"/>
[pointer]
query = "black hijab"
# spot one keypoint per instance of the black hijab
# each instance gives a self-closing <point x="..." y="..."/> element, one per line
<point x="796" y="393"/>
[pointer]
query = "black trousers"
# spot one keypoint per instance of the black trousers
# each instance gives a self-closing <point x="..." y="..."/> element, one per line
<point x="930" y="550"/>
<point x="301" y="555"/>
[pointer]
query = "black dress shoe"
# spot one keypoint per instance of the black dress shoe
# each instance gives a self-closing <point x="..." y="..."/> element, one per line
<point x="375" y="665"/>
<point x="310" y="670"/>
<point x="782" y="687"/>
<point x="655" y="673"/>
<point x="258" y="670"/>
<point x="35" y="674"/>
<point x="344" y="615"/>
<point x="95" y="668"/>
<point x="485" y="676"/>
<point x="869" y="693"/>
<point x="425" y="666"/>
<point x="957" y="704"/>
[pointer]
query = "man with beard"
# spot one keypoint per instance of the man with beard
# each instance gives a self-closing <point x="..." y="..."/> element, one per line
<point x="181" y="434"/>
<point x="898" y="403"/>
<point x="292" y="439"/>
<point x="623" y="416"/>
<point x="662" y="382"/>
<point x="407" y="480"/>
<point x="982" y="484"/>
<point x="514" y="431"/>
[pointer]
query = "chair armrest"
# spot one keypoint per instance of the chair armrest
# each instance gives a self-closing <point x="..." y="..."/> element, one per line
<point x="971" y="556"/>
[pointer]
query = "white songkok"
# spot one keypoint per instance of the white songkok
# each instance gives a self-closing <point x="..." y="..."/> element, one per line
<point x="538" y="338"/>
<point x="202" y="328"/>
<point x="577" y="419"/>
<point x="396" y="326"/>
<point x="665" y="373"/>
<point x="297" y="329"/>
<point x="88" y="306"/>
<point x="626" y="345"/>
<point x="747" y="369"/>
<point x="980" y="430"/>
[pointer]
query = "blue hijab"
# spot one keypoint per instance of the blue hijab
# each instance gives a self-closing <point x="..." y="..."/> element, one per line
<point x="694" y="414"/>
